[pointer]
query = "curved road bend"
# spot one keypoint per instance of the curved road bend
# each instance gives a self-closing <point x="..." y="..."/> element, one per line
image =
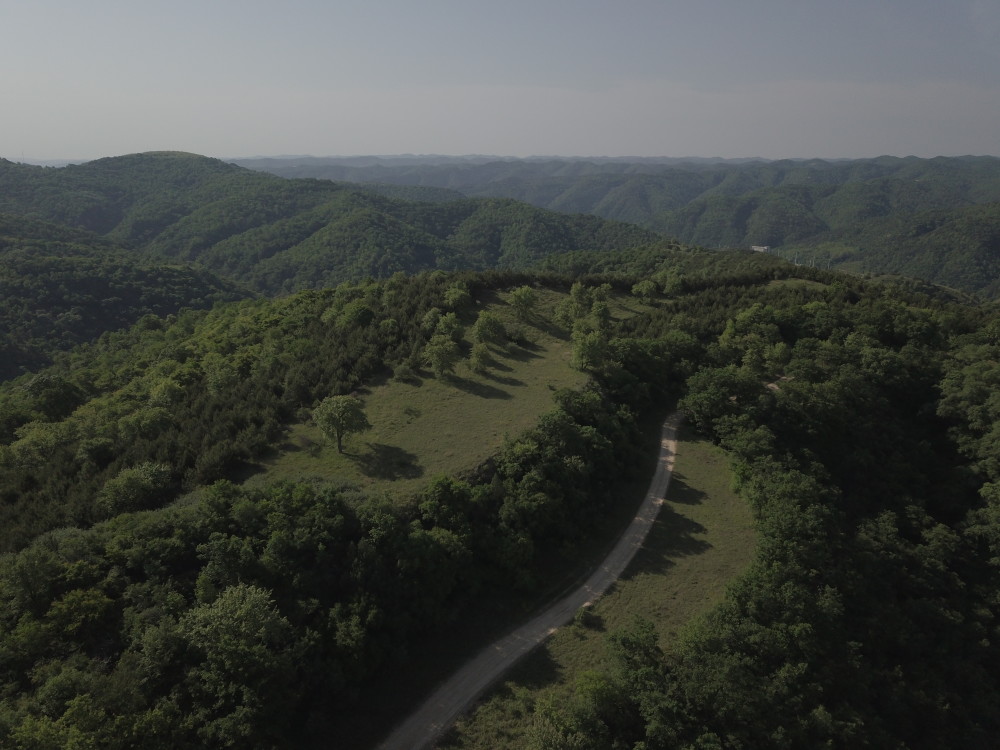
<point x="456" y="694"/>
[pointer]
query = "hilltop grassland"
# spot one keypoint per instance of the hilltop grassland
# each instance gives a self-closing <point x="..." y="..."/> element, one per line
<point x="331" y="585"/>
<point x="421" y="423"/>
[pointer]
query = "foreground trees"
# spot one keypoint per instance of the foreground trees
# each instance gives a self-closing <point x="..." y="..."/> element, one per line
<point x="251" y="618"/>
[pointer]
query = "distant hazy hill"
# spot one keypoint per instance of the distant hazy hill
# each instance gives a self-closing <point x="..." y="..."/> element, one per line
<point x="867" y="213"/>
<point x="61" y="286"/>
<point x="280" y="235"/>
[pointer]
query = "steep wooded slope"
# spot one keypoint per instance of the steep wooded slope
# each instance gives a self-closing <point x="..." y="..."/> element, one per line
<point x="61" y="286"/>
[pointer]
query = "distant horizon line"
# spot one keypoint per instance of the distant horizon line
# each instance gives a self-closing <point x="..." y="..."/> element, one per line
<point x="56" y="162"/>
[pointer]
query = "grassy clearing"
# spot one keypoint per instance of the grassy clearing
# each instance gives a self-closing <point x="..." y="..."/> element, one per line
<point x="702" y="539"/>
<point x="433" y="426"/>
<point x="442" y="426"/>
<point x="448" y="428"/>
<point x="797" y="284"/>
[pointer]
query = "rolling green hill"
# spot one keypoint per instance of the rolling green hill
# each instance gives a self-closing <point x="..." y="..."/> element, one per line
<point x="282" y="235"/>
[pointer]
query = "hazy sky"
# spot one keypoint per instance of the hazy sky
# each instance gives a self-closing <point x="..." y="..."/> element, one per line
<point x="770" y="78"/>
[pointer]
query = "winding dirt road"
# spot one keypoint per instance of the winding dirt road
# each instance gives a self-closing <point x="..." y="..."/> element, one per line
<point x="456" y="694"/>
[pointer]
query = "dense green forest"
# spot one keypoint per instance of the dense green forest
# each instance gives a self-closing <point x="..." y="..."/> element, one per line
<point x="60" y="287"/>
<point x="151" y="597"/>
<point x="861" y="429"/>
<point x="935" y="219"/>
<point x="278" y="236"/>
<point x="255" y="617"/>
<point x="343" y="582"/>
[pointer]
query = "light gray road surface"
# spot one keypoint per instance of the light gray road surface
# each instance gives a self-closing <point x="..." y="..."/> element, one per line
<point x="457" y="693"/>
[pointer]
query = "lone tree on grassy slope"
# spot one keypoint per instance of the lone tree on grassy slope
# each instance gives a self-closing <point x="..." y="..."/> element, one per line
<point x="338" y="416"/>
<point x="523" y="301"/>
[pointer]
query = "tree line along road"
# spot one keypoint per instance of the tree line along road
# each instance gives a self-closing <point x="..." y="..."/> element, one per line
<point x="458" y="692"/>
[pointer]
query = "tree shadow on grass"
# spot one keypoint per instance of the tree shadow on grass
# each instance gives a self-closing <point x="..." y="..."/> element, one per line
<point x="523" y="353"/>
<point x="242" y="471"/>
<point x="503" y="380"/>
<point x="670" y="537"/>
<point x="496" y="364"/>
<point x="483" y="390"/>
<point x="387" y="462"/>
<point x="536" y="671"/>
<point x="414" y="378"/>
<point x="547" y="326"/>
<point x="683" y="493"/>
<point x="586" y="619"/>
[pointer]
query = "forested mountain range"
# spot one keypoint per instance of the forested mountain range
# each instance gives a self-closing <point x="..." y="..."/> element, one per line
<point x="276" y="235"/>
<point x="872" y="215"/>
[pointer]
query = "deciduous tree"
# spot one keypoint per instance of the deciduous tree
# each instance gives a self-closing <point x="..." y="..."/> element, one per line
<point x="442" y="354"/>
<point x="523" y="301"/>
<point x="339" y="416"/>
